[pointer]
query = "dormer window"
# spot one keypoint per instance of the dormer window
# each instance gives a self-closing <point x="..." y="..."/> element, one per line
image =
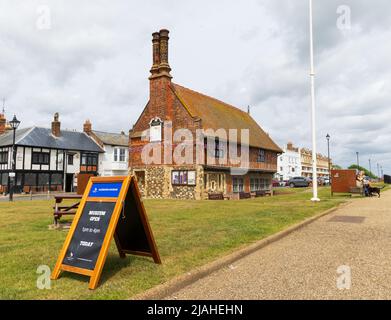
<point x="155" y="130"/>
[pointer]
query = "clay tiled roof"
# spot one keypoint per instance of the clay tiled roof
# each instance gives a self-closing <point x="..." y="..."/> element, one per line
<point x="216" y="114"/>
<point x="114" y="139"/>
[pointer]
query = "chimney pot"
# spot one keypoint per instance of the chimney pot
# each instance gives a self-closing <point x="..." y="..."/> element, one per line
<point x="160" y="67"/>
<point x="56" y="125"/>
<point x="155" y="52"/>
<point x="3" y="123"/>
<point x="87" y="127"/>
<point x="164" y="67"/>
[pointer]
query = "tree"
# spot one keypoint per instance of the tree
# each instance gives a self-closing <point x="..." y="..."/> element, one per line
<point x="336" y="166"/>
<point x="366" y="171"/>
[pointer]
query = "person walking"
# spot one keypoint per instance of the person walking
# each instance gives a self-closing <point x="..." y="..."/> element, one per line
<point x="360" y="180"/>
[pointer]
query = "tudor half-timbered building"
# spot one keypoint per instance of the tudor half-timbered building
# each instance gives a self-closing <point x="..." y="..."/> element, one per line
<point x="47" y="159"/>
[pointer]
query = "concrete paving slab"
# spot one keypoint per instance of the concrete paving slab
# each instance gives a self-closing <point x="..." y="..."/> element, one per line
<point x="313" y="262"/>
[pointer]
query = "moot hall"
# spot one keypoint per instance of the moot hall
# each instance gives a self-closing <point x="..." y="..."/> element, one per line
<point x="173" y="105"/>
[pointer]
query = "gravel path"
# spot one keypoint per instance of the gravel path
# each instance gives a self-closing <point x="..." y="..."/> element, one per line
<point x="304" y="264"/>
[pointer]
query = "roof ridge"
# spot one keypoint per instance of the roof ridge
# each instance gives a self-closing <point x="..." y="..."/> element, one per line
<point x="210" y="97"/>
<point x="119" y="134"/>
<point x="62" y="130"/>
<point x="93" y="140"/>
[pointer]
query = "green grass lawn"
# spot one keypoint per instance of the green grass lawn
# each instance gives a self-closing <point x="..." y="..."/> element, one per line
<point x="188" y="234"/>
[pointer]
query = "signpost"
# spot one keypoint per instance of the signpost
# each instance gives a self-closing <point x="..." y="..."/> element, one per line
<point x="111" y="207"/>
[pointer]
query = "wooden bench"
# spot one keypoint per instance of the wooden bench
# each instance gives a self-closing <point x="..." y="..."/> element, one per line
<point x="216" y="196"/>
<point x="60" y="211"/>
<point x="262" y="193"/>
<point x="244" y="195"/>
<point x="356" y="190"/>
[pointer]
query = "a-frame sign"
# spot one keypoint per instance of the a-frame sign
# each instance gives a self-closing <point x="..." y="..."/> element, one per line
<point x="111" y="207"/>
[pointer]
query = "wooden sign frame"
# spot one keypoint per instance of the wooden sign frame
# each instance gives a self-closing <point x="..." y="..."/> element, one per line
<point x="127" y="183"/>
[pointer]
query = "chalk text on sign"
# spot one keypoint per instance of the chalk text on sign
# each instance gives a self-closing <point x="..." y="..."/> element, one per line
<point x="86" y="244"/>
<point x="96" y="215"/>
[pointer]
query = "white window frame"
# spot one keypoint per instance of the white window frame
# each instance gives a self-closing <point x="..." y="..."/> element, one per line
<point x="155" y="130"/>
<point x="117" y="154"/>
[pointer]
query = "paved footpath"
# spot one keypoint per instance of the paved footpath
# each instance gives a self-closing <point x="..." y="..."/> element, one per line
<point x="304" y="264"/>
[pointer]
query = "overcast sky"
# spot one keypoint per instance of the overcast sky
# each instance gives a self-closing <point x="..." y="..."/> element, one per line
<point x="91" y="60"/>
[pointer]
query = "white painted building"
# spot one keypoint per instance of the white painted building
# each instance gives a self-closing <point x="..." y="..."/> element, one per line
<point x="289" y="163"/>
<point x="114" y="160"/>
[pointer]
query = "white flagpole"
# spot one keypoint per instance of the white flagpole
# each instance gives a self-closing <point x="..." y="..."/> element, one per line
<point x="313" y="117"/>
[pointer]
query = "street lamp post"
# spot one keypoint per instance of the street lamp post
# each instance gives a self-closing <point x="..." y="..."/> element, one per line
<point x="14" y="123"/>
<point x="328" y="156"/>
<point x="313" y="117"/>
<point x="370" y="167"/>
<point x="358" y="161"/>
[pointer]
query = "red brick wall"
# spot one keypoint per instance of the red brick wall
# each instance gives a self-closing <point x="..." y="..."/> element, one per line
<point x="165" y="105"/>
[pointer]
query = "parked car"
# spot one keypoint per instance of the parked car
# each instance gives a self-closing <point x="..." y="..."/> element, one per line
<point x="284" y="183"/>
<point x="298" y="182"/>
<point x="275" y="183"/>
<point x="321" y="181"/>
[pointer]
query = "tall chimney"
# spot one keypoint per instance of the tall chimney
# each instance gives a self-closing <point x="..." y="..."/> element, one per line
<point x="164" y="67"/>
<point x="155" y="54"/>
<point x="56" y="125"/>
<point x="3" y="123"/>
<point x="160" y="92"/>
<point x="87" y="127"/>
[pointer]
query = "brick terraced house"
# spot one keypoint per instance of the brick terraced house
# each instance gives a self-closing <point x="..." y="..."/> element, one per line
<point x="172" y="107"/>
<point x="322" y="164"/>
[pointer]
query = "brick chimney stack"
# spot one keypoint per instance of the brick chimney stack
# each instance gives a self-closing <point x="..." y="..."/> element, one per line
<point x="87" y="127"/>
<point x="160" y="92"/>
<point x="160" y="67"/>
<point x="155" y="53"/>
<point x="56" y="125"/>
<point x="3" y="123"/>
<point x="164" y="67"/>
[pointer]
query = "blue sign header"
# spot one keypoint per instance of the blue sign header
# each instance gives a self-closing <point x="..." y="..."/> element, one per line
<point x="105" y="190"/>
